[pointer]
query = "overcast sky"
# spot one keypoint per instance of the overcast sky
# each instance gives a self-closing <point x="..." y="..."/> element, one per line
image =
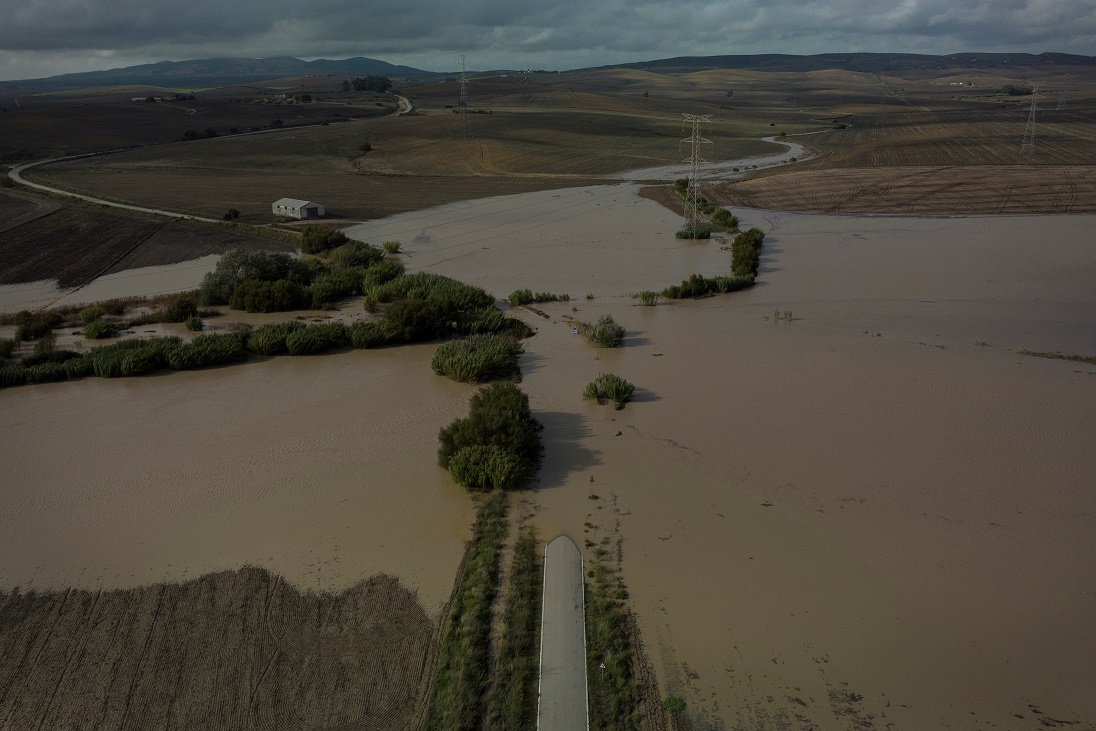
<point x="46" y="37"/>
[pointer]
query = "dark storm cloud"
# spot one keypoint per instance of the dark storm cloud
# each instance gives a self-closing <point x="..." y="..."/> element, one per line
<point x="511" y="33"/>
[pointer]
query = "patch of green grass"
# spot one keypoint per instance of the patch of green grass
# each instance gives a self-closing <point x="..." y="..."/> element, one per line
<point x="614" y="695"/>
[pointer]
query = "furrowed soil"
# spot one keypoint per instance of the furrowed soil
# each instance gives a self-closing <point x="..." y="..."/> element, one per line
<point x="230" y="650"/>
<point x="921" y="190"/>
<point x="76" y="244"/>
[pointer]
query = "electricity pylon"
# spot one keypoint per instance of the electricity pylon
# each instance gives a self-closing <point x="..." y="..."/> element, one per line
<point x="692" y="194"/>
<point x="462" y="105"/>
<point x="1027" y="147"/>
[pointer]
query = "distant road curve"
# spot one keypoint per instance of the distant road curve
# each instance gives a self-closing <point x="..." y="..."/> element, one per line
<point x="16" y="173"/>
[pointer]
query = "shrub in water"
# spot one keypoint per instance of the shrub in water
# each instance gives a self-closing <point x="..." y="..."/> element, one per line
<point x="698" y="286"/>
<point x="499" y="418"/>
<point x="746" y="252"/>
<point x="551" y="297"/>
<point x="415" y="321"/>
<point x="207" y="350"/>
<point x="521" y="297"/>
<point x="270" y="339"/>
<point x="372" y="334"/>
<point x="256" y="295"/>
<point x="100" y="329"/>
<point x="491" y="320"/>
<point x="333" y="286"/>
<point x="647" y="298"/>
<point x="32" y="327"/>
<point x="392" y="247"/>
<point x="90" y="314"/>
<point x="53" y="356"/>
<point x="47" y="373"/>
<point x="12" y="375"/>
<point x="485" y="467"/>
<point x="605" y="333"/>
<point x="7" y="347"/>
<point x="450" y="294"/>
<point x="478" y="358"/>
<point x="114" y="307"/>
<point x="194" y="323"/>
<point x="316" y="338"/>
<point x="381" y="272"/>
<point x="356" y="254"/>
<point x="609" y="387"/>
<point x="315" y="239"/>
<point x="109" y="361"/>
<point x="179" y="309"/>
<point x="237" y="266"/>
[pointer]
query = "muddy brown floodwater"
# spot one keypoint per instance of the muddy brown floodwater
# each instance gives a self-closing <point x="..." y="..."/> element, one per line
<point x="873" y="513"/>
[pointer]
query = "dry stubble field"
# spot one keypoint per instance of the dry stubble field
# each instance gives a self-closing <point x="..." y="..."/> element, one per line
<point x="231" y="650"/>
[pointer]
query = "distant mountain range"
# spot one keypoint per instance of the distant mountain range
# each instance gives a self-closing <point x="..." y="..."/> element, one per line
<point x="211" y="72"/>
<point x="863" y="62"/>
<point x="207" y="72"/>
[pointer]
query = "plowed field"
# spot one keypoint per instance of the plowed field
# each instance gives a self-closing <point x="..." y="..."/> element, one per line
<point x="231" y="650"/>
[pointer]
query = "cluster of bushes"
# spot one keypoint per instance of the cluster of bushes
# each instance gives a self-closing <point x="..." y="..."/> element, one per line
<point x="746" y="253"/>
<point x="497" y="445"/>
<point x="317" y="239"/>
<point x="264" y="281"/>
<point x="699" y="286"/>
<point x="605" y="333"/>
<point x="479" y="358"/>
<point x="721" y="217"/>
<point x="31" y="326"/>
<point x="609" y="387"/>
<point x="525" y="296"/>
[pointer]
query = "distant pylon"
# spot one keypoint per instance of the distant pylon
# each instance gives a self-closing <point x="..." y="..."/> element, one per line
<point x="692" y="210"/>
<point x="462" y="105"/>
<point x="1027" y="147"/>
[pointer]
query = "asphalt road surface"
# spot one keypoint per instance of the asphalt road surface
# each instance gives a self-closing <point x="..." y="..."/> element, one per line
<point x="563" y="700"/>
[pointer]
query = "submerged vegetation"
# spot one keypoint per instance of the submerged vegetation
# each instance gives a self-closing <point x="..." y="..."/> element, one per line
<point x="479" y="358"/>
<point x="699" y="286"/>
<point x="609" y="387"/>
<point x="605" y="333"/>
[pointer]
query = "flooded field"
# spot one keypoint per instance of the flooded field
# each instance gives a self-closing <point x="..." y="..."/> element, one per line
<point x="875" y="512"/>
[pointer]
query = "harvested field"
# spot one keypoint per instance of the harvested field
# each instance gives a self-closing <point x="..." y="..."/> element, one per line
<point x="178" y="242"/>
<point x="920" y="190"/>
<point x="17" y="209"/>
<point x="73" y="245"/>
<point x="76" y="244"/>
<point x="231" y="650"/>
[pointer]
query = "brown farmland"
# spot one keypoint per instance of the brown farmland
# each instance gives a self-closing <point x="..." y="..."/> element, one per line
<point x="921" y="190"/>
<point x="557" y="130"/>
<point x="76" y="244"/>
<point x="231" y="650"/>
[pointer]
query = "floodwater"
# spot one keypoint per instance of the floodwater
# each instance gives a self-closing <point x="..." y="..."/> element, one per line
<point x="875" y="511"/>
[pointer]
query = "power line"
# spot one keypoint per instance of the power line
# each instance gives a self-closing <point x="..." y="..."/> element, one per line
<point x="692" y="194"/>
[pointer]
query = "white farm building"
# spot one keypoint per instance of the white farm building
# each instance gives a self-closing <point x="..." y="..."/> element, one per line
<point x="293" y="208"/>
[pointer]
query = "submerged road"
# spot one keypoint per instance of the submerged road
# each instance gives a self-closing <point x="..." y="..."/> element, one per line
<point x="563" y="699"/>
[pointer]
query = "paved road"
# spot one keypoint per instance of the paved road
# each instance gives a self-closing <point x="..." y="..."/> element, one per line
<point x="563" y="700"/>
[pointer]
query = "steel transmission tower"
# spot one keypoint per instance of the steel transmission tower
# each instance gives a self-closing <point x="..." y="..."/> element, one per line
<point x="1027" y="147"/>
<point x="692" y="210"/>
<point x="462" y="105"/>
